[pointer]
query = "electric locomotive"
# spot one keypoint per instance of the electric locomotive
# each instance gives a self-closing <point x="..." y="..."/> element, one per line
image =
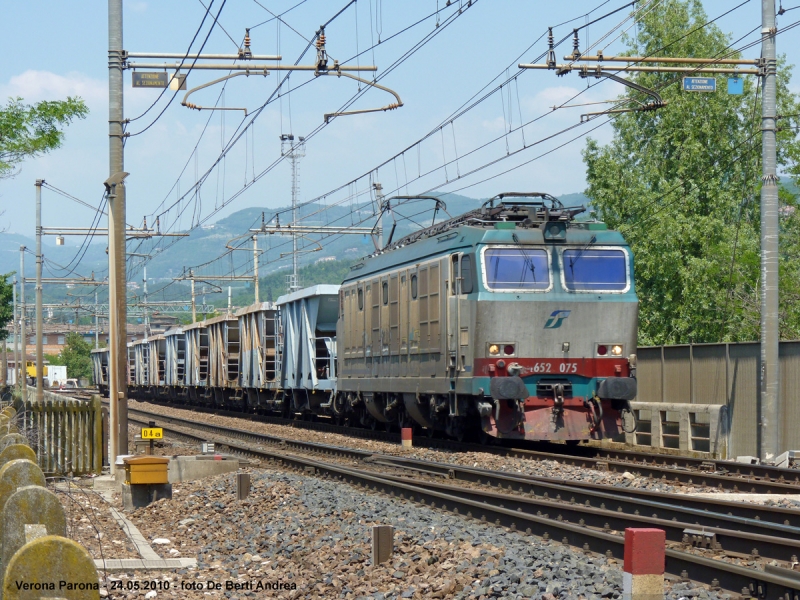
<point x="512" y="321"/>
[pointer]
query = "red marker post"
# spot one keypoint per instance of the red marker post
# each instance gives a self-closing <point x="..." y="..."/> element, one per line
<point x="643" y="577"/>
<point x="405" y="435"/>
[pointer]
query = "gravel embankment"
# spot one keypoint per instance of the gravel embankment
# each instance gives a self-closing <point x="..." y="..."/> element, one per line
<point x="541" y="468"/>
<point x="90" y="523"/>
<point x="314" y="535"/>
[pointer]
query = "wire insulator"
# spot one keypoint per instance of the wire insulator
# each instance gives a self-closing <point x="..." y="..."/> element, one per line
<point x="576" y="53"/>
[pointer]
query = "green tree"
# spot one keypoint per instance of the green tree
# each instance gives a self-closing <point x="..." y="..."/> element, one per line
<point x="31" y="130"/>
<point x="6" y="305"/>
<point x="77" y="356"/>
<point x="682" y="184"/>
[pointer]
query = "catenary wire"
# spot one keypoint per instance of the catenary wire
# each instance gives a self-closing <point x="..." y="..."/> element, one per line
<point x="189" y="70"/>
<point x="188" y="50"/>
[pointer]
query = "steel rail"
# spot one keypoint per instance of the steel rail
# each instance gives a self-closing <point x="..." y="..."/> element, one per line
<point x="770" y="520"/>
<point x="752" y="518"/>
<point x="748" y="545"/>
<point x="730" y="476"/>
<point x="683" y="564"/>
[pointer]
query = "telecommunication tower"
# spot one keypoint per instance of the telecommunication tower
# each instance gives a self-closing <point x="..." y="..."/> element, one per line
<point x="294" y="151"/>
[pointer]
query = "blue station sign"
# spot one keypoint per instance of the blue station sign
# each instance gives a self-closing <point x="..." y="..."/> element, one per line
<point x="699" y="84"/>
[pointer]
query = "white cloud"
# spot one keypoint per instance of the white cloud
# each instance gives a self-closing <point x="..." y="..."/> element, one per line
<point x="34" y="86"/>
<point x="136" y="6"/>
<point x="496" y="125"/>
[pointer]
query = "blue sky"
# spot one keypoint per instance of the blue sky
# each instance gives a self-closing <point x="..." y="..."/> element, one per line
<point x="51" y="49"/>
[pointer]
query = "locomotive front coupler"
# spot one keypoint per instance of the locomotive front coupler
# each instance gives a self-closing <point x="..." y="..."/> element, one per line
<point x="558" y="401"/>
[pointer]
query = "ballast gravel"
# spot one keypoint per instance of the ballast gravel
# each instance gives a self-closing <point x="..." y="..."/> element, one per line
<point x="313" y="536"/>
<point x="483" y="460"/>
<point x="91" y="524"/>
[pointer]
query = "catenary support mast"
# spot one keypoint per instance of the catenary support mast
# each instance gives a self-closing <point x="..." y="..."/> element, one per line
<point x="769" y="423"/>
<point x="770" y="433"/>
<point x="22" y="335"/>
<point x="39" y="319"/>
<point x="118" y="413"/>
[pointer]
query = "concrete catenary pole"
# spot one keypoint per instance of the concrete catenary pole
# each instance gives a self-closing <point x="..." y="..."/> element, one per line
<point x="379" y="198"/>
<point x="39" y="319"/>
<point x="118" y="414"/>
<point x="194" y="300"/>
<point x="23" y="361"/>
<point x="146" y="322"/>
<point x="96" y="324"/>
<point x="770" y="421"/>
<point x="16" y="335"/>
<point x="255" y="267"/>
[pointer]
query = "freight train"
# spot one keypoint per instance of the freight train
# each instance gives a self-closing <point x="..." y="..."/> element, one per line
<point x="510" y="321"/>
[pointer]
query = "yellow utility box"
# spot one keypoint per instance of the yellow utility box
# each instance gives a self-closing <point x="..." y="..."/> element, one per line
<point x="146" y="469"/>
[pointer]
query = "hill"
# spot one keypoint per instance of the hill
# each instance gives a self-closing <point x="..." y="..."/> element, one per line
<point x="208" y="242"/>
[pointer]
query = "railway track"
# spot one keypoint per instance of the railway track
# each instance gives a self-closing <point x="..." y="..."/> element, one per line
<point x="723" y="475"/>
<point x="703" y="543"/>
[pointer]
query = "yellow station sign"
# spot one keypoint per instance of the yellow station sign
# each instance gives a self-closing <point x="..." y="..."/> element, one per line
<point x="152" y="433"/>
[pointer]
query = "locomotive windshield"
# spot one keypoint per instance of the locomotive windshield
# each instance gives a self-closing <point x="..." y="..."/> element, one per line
<point x="595" y="270"/>
<point x="516" y="269"/>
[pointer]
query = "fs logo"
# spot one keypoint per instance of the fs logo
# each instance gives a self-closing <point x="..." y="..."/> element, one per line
<point x="556" y="319"/>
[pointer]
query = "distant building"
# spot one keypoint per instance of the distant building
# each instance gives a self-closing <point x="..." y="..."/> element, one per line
<point x="54" y="336"/>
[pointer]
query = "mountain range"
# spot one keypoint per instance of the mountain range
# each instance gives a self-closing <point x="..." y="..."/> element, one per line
<point x="206" y="243"/>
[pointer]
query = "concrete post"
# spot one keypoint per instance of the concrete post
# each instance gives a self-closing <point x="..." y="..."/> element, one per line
<point x="23" y="341"/>
<point x="643" y="573"/>
<point x="406" y="434"/>
<point x="117" y="377"/>
<point x="255" y="267"/>
<point x="16" y="335"/>
<point x="382" y="543"/>
<point x="39" y="319"/>
<point x="770" y="418"/>
<point x="242" y="485"/>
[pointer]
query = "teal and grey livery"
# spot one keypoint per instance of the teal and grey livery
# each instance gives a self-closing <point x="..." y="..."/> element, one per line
<point x="510" y="321"/>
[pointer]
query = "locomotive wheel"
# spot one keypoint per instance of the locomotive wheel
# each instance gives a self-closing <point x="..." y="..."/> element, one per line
<point x="485" y="439"/>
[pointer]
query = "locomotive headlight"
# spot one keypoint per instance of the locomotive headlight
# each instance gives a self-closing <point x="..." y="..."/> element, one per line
<point x="494" y="349"/>
<point x="616" y="350"/>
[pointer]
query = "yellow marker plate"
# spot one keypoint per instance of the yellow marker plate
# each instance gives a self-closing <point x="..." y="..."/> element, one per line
<point x="153" y="433"/>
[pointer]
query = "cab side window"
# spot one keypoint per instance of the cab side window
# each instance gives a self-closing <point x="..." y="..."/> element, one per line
<point x="467" y="279"/>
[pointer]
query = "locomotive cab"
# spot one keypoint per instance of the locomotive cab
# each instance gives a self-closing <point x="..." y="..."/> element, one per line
<point x="513" y="320"/>
<point x="557" y="332"/>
